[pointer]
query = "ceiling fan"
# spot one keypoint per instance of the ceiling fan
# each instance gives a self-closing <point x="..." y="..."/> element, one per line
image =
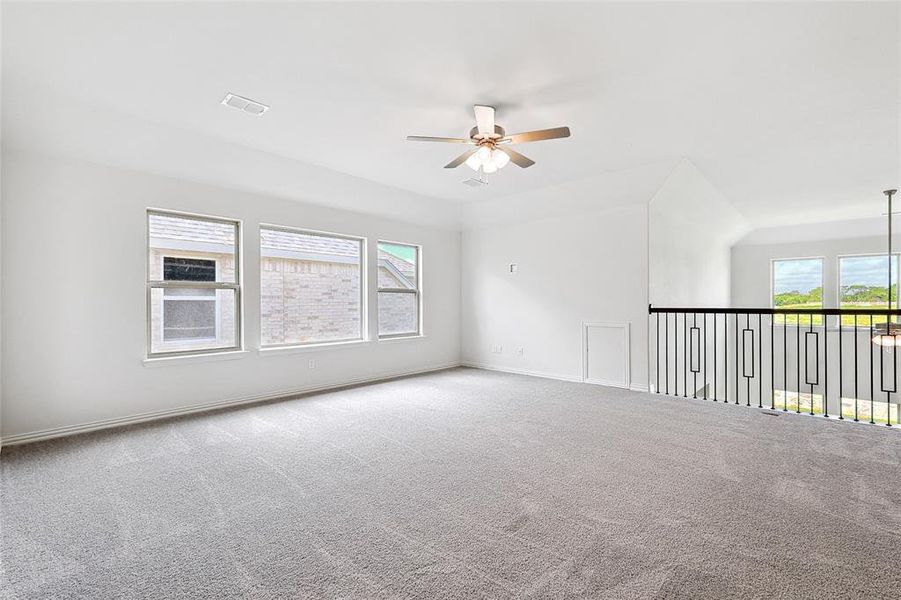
<point x="492" y="151"/>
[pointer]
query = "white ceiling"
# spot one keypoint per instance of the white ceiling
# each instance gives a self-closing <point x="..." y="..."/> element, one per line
<point x="790" y="110"/>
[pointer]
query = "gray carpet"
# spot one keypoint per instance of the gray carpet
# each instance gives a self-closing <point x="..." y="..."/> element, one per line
<point x="459" y="484"/>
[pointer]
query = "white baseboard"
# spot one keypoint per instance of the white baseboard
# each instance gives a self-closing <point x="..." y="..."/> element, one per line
<point x="46" y="434"/>
<point x="486" y="367"/>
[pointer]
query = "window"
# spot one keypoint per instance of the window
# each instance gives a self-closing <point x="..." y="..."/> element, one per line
<point x="193" y="284"/>
<point x="863" y="284"/>
<point x="798" y="284"/>
<point x="399" y="296"/>
<point x="311" y="287"/>
<point x="189" y="314"/>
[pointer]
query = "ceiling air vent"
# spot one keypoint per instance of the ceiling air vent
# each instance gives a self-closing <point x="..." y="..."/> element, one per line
<point x="245" y="104"/>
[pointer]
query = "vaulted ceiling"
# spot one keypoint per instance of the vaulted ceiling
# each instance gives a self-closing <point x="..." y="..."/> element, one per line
<point x="791" y="110"/>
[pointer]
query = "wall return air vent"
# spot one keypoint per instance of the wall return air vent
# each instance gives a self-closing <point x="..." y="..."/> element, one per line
<point x="245" y="104"/>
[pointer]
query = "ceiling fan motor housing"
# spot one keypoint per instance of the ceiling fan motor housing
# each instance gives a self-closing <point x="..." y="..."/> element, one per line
<point x="475" y="136"/>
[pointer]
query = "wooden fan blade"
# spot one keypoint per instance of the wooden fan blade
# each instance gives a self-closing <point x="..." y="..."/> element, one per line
<point x="429" y="138"/>
<point x="484" y="119"/>
<point x="461" y="159"/>
<point x="537" y="136"/>
<point x="516" y="158"/>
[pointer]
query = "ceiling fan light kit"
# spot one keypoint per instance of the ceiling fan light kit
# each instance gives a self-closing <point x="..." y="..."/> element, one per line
<point x="492" y="151"/>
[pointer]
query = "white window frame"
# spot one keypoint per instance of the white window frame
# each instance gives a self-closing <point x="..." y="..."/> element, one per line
<point x="838" y="271"/>
<point x="773" y="262"/>
<point x="362" y="336"/>
<point x="214" y="298"/>
<point x="417" y="290"/>
<point x="163" y="284"/>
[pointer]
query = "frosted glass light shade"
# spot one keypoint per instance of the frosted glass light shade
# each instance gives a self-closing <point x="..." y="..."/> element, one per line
<point x="500" y="159"/>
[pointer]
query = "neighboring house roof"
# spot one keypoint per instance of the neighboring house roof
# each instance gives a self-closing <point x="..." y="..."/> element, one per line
<point x="316" y="244"/>
<point x="192" y="230"/>
<point x="407" y="268"/>
<point x="206" y="234"/>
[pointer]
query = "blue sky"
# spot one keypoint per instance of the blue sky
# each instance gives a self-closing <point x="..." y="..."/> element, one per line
<point x="408" y="253"/>
<point x="805" y="274"/>
<point x="868" y="270"/>
<point x="797" y="275"/>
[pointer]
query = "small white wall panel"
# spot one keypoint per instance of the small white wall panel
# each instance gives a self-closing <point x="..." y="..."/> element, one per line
<point x="605" y="353"/>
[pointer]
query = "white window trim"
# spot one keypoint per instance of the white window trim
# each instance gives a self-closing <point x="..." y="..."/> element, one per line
<point x="418" y="333"/>
<point x="773" y="262"/>
<point x="300" y="348"/>
<point x="772" y="292"/>
<point x="199" y="357"/>
<point x="152" y="284"/>
<point x="287" y="346"/>
<point x="838" y="270"/>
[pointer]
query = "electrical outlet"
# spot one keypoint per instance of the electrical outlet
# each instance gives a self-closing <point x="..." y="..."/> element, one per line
<point x="519" y="350"/>
<point x="312" y="364"/>
<point x="497" y="349"/>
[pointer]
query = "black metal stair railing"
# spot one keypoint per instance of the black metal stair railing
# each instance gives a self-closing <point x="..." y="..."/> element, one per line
<point x="821" y="361"/>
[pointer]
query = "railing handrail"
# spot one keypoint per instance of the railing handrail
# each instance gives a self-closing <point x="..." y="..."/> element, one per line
<point x="778" y="311"/>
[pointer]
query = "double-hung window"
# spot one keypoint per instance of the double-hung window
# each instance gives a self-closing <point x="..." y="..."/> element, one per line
<point x="399" y="290"/>
<point x="798" y="285"/>
<point x="863" y="284"/>
<point x="311" y="287"/>
<point x="193" y="284"/>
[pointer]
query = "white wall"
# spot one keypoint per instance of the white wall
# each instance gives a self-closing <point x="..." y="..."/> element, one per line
<point x="751" y="265"/>
<point x="585" y="266"/>
<point x="69" y="127"/>
<point x="73" y="300"/>
<point x="691" y="232"/>
<point x="691" y="229"/>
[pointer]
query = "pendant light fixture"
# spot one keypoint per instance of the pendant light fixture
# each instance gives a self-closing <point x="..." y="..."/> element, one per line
<point x="888" y="333"/>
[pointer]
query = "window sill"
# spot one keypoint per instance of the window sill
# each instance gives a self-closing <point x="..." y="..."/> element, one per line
<point x="299" y="348"/>
<point x="401" y="338"/>
<point x="166" y="361"/>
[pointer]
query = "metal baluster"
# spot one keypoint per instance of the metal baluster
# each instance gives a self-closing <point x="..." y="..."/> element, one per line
<point x="841" y="367"/>
<point x="872" y="399"/>
<point x="825" y="365"/>
<point x="888" y="396"/>
<point x="704" y="329"/>
<point x="685" y="358"/>
<point x="748" y="379"/>
<point x="798" y="354"/>
<point x="736" y="358"/>
<point x="759" y="362"/>
<point x="657" y="355"/>
<point x="714" y="358"/>
<point x="694" y="324"/>
<point x="807" y="362"/>
<point x="785" y="363"/>
<point x="772" y="362"/>
<point x="676" y="353"/>
<point x="856" y="395"/>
